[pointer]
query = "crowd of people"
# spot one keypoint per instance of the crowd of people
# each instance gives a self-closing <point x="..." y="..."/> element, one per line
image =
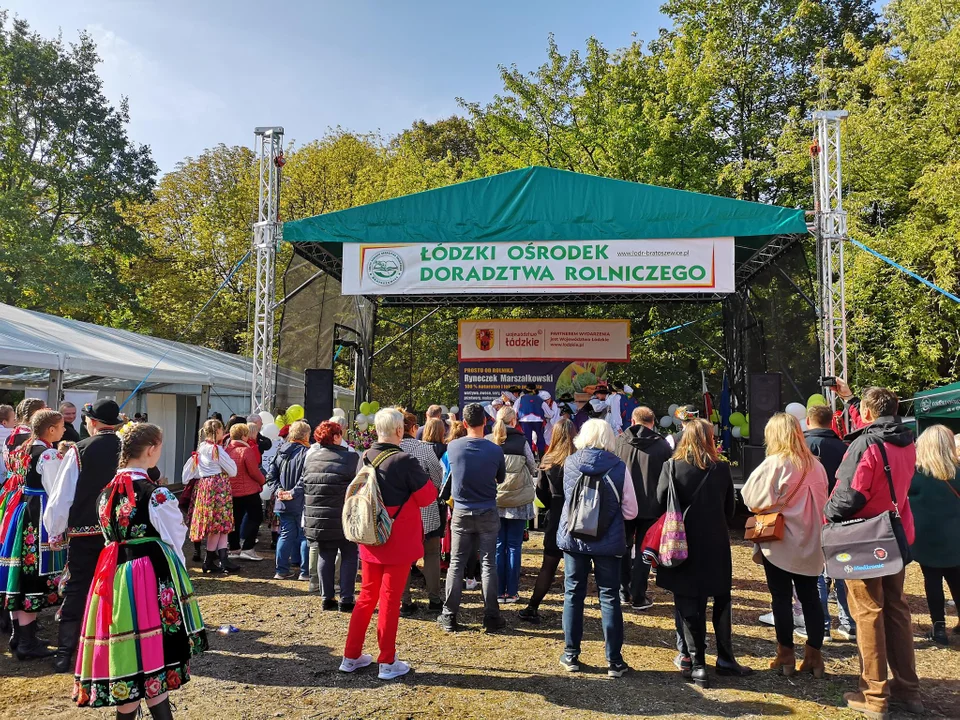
<point x="462" y="493"/>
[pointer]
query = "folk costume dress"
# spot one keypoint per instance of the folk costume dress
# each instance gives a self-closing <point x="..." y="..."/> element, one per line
<point x="29" y="569"/>
<point x="212" y="467"/>
<point x="143" y="623"/>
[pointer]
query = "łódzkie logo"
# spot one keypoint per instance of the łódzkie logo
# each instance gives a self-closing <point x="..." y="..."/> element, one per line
<point x="385" y="267"/>
<point x="485" y="339"/>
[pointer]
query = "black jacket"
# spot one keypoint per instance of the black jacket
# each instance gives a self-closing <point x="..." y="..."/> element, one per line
<point x="644" y="451"/>
<point x="327" y="471"/>
<point x="708" y="571"/>
<point x="550" y="493"/>
<point x="70" y="434"/>
<point x="827" y="445"/>
<point x="263" y="444"/>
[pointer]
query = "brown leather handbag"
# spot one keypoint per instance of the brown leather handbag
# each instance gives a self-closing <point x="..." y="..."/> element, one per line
<point x="766" y="526"/>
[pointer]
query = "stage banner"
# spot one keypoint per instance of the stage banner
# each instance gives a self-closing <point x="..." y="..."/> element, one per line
<point x="484" y="381"/>
<point x="694" y="265"/>
<point x="541" y="339"/>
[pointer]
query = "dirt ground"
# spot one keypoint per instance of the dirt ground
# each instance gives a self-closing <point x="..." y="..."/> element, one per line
<point x="283" y="663"/>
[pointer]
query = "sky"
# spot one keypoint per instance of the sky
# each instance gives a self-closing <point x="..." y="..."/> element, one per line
<point x="208" y="71"/>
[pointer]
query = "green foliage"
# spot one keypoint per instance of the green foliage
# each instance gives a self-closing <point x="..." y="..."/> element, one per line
<point x="67" y="170"/>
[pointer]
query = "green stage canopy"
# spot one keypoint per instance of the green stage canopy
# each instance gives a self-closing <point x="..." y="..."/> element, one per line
<point x="541" y="203"/>
<point x="941" y="405"/>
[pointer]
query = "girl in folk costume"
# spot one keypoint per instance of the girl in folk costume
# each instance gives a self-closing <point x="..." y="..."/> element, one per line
<point x="212" y="467"/>
<point x="142" y="622"/>
<point x="15" y="457"/>
<point x="29" y="567"/>
<point x="551" y="415"/>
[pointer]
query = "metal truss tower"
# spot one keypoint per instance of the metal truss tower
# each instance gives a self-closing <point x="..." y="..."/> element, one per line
<point x="266" y="235"/>
<point x="831" y="233"/>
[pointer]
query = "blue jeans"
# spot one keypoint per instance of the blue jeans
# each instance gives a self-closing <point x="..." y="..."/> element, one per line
<point x="606" y="572"/>
<point x="509" y="555"/>
<point x="292" y="544"/>
<point x="843" y="610"/>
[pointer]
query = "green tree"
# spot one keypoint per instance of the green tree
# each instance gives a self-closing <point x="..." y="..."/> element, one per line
<point x="67" y="170"/>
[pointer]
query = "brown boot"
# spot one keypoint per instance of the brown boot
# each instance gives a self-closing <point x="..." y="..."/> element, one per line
<point x="812" y="662"/>
<point x="785" y="661"/>
<point x="856" y="701"/>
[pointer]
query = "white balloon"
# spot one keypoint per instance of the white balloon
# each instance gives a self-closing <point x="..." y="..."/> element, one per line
<point x="736" y="431"/>
<point x="271" y="431"/>
<point x="803" y="425"/>
<point x="267" y="418"/>
<point x="797" y="410"/>
<point x="444" y="410"/>
<point x="454" y="410"/>
<point x="672" y="409"/>
<point x="338" y="412"/>
<point x="666" y="421"/>
<point x="363" y="425"/>
<point x="360" y="418"/>
<point x="678" y="422"/>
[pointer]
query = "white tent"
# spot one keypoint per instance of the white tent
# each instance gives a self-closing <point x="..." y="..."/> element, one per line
<point x="69" y="357"/>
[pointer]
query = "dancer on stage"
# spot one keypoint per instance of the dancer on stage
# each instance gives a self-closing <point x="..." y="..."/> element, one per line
<point x="72" y="512"/>
<point x="529" y="409"/>
<point x="142" y="622"/>
<point x="29" y="568"/>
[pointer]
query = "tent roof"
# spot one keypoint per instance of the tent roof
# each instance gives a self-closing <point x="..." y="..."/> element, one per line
<point x="35" y="340"/>
<point x="541" y="203"/>
<point x="942" y="402"/>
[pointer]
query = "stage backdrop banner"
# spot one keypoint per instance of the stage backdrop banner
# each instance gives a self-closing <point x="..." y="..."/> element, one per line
<point x="482" y="382"/>
<point x="539" y="339"/>
<point x="694" y="265"/>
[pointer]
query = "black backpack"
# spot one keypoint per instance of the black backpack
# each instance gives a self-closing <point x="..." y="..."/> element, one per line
<point x="588" y="516"/>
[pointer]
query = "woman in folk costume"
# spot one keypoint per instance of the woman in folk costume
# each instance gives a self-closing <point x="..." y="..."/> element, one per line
<point x="551" y="415"/>
<point x="212" y="519"/>
<point x="29" y="567"/>
<point x="143" y="623"/>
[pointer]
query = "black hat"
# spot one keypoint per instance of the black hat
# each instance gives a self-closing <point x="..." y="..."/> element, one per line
<point x="103" y="411"/>
<point x="530" y="387"/>
<point x="616" y="385"/>
<point x="601" y="389"/>
<point x="565" y="398"/>
<point x="514" y="389"/>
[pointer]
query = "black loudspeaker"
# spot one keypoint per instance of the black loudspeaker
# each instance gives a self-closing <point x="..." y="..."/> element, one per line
<point x="753" y="455"/>
<point x="764" y="403"/>
<point x="317" y="395"/>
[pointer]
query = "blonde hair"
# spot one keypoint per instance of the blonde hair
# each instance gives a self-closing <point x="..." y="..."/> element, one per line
<point x="784" y="437"/>
<point x="239" y="431"/>
<point x="505" y="418"/>
<point x="299" y="432"/>
<point x="387" y="421"/>
<point x="595" y="433"/>
<point x="457" y="430"/>
<point x="561" y="444"/>
<point x="696" y="445"/>
<point x="210" y="429"/>
<point x="27" y="408"/>
<point x="937" y="453"/>
<point x="136" y="439"/>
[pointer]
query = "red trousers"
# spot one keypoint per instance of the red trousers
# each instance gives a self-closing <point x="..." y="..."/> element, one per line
<point x="384" y="584"/>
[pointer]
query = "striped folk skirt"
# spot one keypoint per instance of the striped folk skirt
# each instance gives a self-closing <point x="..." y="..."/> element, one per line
<point x="29" y="569"/>
<point x="138" y="641"/>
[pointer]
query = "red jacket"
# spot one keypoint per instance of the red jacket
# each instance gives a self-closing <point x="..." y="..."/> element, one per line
<point x="249" y="479"/>
<point x="402" y="482"/>
<point x="862" y="489"/>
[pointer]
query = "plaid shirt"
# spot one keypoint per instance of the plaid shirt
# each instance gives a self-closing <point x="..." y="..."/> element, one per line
<point x="431" y="465"/>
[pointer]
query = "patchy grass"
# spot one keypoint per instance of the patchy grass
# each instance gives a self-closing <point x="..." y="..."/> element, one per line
<point x="283" y="663"/>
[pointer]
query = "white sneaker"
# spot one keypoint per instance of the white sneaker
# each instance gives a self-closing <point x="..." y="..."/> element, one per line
<point x="389" y="671"/>
<point x="233" y="554"/>
<point x="766" y="619"/>
<point x="348" y="665"/>
<point x="472" y="584"/>
<point x="249" y="555"/>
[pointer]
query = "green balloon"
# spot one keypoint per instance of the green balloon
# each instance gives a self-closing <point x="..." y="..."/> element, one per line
<point x="374" y="407"/>
<point x="737" y="419"/>
<point x="745" y="430"/>
<point x="364" y="408"/>
<point x="715" y="416"/>
<point x="816" y="399"/>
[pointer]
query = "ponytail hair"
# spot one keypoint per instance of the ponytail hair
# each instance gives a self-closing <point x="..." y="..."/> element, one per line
<point x="135" y="440"/>
<point x="210" y="429"/>
<point x="505" y="418"/>
<point x="42" y="421"/>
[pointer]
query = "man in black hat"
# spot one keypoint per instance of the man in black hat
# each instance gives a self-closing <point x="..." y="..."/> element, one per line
<point x="72" y="513"/>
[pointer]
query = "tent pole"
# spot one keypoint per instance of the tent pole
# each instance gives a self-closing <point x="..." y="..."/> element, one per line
<point x="204" y="403"/>
<point x="55" y="389"/>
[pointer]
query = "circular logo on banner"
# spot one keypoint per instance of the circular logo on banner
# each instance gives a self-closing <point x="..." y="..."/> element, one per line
<point x="843" y="557"/>
<point x="385" y="267"/>
<point x="880" y="554"/>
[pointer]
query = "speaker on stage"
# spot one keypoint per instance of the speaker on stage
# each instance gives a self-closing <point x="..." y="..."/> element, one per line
<point x="764" y="403"/>
<point x="317" y="395"/>
<point x="753" y="455"/>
